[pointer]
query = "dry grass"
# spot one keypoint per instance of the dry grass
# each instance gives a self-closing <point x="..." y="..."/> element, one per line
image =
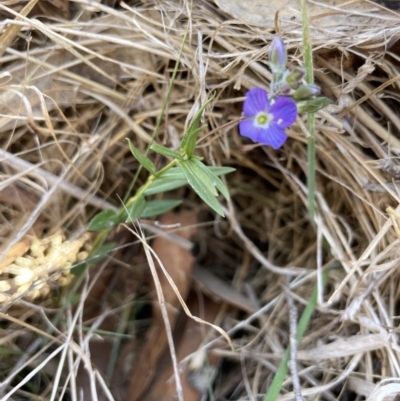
<point x="71" y="91"/>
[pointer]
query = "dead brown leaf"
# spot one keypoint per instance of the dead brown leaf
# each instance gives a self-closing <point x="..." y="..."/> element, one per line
<point x="197" y="372"/>
<point x="218" y="289"/>
<point x="178" y="263"/>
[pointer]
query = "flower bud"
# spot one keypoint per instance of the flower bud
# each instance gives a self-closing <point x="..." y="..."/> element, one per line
<point x="277" y="55"/>
<point x="284" y="89"/>
<point x="312" y="106"/>
<point x="306" y="91"/>
<point x="295" y="77"/>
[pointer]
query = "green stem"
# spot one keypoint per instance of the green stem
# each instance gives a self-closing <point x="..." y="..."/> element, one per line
<point x="161" y="115"/>
<point x="140" y="192"/>
<point x="311" y="155"/>
<point x="308" y="63"/>
<point x="276" y="385"/>
<point x="101" y="237"/>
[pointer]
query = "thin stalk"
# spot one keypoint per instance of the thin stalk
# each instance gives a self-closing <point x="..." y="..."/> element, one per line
<point x="276" y="385"/>
<point x="308" y="63"/>
<point x="101" y="237"/>
<point x="161" y="115"/>
<point x="140" y="192"/>
<point x="122" y="325"/>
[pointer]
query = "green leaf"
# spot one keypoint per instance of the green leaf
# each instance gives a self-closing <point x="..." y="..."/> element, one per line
<point x="221" y="170"/>
<point x="188" y="143"/>
<point x="161" y="185"/>
<point x="141" y="158"/>
<point x="193" y="135"/>
<point x="157" y="207"/>
<point x="104" y="220"/>
<point x="313" y="105"/>
<point x="275" y="386"/>
<point x="201" y="184"/>
<point x="174" y="178"/>
<point x="176" y="173"/>
<point x="202" y="176"/>
<point x="162" y="150"/>
<point x="212" y="177"/>
<point x="135" y="210"/>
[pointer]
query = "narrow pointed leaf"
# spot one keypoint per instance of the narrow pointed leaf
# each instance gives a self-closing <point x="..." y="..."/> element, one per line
<point x="162" y="150"/>
<point x="201" y="185"/>
<point x="157" y="207"/>
<point x="104" y="220"/>
<point x="175" y="173"/>
<point x="161" y="185"/>
<point x="213" y="178"/>
<point x="135" y="210"/>
<point x="201" y="176"/>
<point x="193" y="134"/>
<point x="174" y="178"/>
<point x="188" y="142"/>
<point x="141" y="158"/>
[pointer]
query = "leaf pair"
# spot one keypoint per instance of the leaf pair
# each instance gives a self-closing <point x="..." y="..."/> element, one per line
<point x="176" y="178"/>
<point x="204" y="182"/>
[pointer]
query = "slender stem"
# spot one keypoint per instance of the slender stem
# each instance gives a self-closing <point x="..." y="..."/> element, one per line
<point x="311" y="167"/>
<point x="308" y="63"/>
<point x="276" y="385"/>
<point x="101" y="237"/>
<point x="140" y="192"/>
<point x="161" y="115"/>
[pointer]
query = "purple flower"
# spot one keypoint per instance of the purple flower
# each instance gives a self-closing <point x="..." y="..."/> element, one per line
<point x="267" y="119"/>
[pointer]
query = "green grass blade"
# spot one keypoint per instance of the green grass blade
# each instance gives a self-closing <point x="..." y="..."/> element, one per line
<point x="281" y="373"/>
<point x="309" y="66"/>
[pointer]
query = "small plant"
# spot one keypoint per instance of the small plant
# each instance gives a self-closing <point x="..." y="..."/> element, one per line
<point x="185" y="168"/>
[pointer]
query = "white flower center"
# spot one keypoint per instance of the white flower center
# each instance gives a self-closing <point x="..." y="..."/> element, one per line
<point x="263" y="120"/>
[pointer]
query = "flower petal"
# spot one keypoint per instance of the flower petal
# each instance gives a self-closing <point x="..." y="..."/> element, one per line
<point x="284" y="110"/>
<point x="256" y="101"/>
<point x="249" y="130"/>
<point x="272" y="136"/>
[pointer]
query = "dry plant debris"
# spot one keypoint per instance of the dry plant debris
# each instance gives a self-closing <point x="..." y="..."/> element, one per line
<point x="33" y="266"/>
<point x="177" y="262"/>
<point x="74" y="85"/>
